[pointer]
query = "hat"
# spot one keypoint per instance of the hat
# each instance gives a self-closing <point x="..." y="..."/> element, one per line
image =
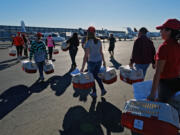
<point x="39" y="34"/>
<point x="170" y="23"/>
<point x="18" y="33"/>
<point x="91" y="29"/>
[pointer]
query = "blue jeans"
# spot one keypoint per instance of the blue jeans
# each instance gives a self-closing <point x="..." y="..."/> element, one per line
<point x="144" y="67"/>
<point x="40" y="67"/>
<point x="94" y="67"/>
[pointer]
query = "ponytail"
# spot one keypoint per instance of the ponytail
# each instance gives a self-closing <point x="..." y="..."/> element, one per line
<point x="92" y="36"/>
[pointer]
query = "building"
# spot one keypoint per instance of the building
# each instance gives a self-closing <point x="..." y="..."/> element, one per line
<point x="6" y="31"/>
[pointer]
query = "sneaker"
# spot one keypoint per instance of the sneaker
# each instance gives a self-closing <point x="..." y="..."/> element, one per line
<point x="93" y="94"/>
<point x="103" y="92"/>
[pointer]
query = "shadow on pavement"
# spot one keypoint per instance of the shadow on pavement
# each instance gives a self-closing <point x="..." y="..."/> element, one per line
<point x="115" y="63"/>
<point x="109" y="116"/>
<point x="82" y="94"/>
<point x="59" y="84"/>
<point x="16" y="95"/>
<point x="6" y="64"/>
<point x="78" y="121"/>
<point x="7" y="61"/>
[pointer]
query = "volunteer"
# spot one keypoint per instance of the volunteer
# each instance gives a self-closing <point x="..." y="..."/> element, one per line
<point x="38" y="50"/>
<point x="94" y="55"/>
<point x="73" y="49"/>
<point x="19" y="42"/>
<point x="167" y="75"/>
<point x="112" y="41"/>
<point x="25" y="45"/>
<point x="50" y="43"/>
<point x="143" y="52"/>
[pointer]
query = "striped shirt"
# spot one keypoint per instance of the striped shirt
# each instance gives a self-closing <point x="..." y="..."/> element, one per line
<point x="38" y="50"/>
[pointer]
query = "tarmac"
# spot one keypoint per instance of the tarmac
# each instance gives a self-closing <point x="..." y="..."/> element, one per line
<point x="28" y="107"/>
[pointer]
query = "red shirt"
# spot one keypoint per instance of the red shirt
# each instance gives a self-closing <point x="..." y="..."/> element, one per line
<point x="18" y="41"/>
<point x="170" y="52"/>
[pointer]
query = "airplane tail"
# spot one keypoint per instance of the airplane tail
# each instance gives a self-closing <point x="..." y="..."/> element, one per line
<point x="135" y="30"/>
<point x="23" y="29"/>
<point x="81" y="32"/>
<point x="130" y="31"/>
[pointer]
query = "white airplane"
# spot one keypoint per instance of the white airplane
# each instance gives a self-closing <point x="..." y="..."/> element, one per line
<point x="23" y="29"/>
<point x="126" y="35"/>
<point x="149" y="34"/>
<point x="55" y="36"/>
<point x="153" y="34"/>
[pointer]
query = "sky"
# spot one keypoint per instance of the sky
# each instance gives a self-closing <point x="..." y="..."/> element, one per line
<point x="107" y="14"/>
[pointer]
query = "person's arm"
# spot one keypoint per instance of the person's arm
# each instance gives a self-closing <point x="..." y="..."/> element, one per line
<point x="85" y="58"/>
<point x="159" y="70"/>
<point x="134" y="52"/>
<point x="31" y="51"/>
<point x="153" y="56"/>
<point x="54" y="44"/>
<point x="101" y="51"/>
<point x="44" y="48"/>
<point x="46" y="42"/>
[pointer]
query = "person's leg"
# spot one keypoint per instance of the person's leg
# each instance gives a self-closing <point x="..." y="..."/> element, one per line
<point x="167" y="89"/>
<point x="113" y="52"/>
<point x="40" y="67"/>
<point x="21" y="49"/>
<point x="50" y="49"/>
<point x="91" y="67"/>
<point x="164" y="92"/>
<point x="71" y="56"/>
<point x="25" y="53"/>
<point x="18" y="51"/>
<point x="143" y="67"/>
<point x="175" y="84"/>
<point x="74" y="58"/>
<point x="99" y="81"/>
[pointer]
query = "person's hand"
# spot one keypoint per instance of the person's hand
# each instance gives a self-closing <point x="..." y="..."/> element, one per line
<point x="104" y="64"/>
<point x="82" y="70"/>
<point x="46" y="61"/>
<point x="151" y="97"/>
<point x="130" y="65"/>
<point x="154" y="66"/>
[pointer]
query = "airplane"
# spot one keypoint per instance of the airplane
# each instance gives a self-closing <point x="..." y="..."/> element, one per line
<point x="56" y="37"/>
<point x="81" y="32"/>
<point x="23" y="29"/>
<point x="149" y="34"/>
<point x="126" y="35"/>
<point x="103" y="35"/>
<point x="153" y="35"/>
